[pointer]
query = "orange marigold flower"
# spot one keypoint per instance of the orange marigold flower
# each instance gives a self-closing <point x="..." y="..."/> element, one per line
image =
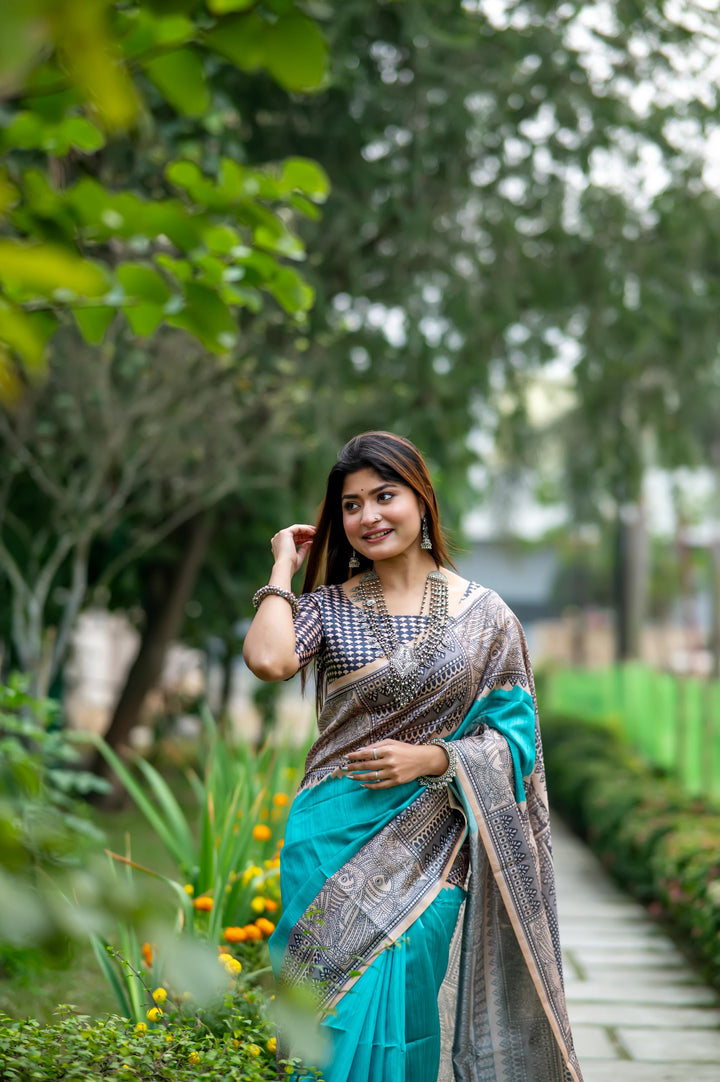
<point x="280" y="800"/>
<point x="270" y="905"/>
<point x="252" y="932"/>
<point x="262" y="833"/>
<point x="203" y="903"/>
<point x="266" y="926"/>
<point x="146" y="951"/>
<point x="235" y="935"/>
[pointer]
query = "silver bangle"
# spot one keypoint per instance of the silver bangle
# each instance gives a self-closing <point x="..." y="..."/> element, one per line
<point x="439" y="781"/>
<point x="287" y="595"/>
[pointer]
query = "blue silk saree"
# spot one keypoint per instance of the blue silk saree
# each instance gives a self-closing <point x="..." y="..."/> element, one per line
<point x="424" y="921"/>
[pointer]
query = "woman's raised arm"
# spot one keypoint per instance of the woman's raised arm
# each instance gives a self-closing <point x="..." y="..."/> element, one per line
<point x="269" y="647"/>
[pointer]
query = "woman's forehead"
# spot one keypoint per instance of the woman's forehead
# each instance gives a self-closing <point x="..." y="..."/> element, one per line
<point x="360" y="482"/>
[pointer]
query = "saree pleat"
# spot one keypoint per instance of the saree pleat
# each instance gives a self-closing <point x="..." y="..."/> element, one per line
<point x="368" y="879"/>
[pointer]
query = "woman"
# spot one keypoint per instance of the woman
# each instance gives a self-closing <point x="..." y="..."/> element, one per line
<point x="417" y="880"/>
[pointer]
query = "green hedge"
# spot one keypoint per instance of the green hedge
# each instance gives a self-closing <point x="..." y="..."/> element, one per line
<point x="661" y="844"/>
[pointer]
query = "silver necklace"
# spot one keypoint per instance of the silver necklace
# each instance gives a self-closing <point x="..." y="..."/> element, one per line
<point x="406" y="661"/>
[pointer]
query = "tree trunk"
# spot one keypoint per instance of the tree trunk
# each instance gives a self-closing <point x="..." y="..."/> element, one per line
<point x="169" y="587"/>
<point x="630" y="581"/>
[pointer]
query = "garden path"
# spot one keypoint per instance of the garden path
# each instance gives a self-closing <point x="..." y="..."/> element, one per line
<point x="639" y="1011"/>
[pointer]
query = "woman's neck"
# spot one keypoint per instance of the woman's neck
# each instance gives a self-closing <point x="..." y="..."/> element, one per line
<point x="405" y="574"/>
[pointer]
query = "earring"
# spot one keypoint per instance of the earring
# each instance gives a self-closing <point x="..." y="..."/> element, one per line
<point x="426" y="543"/>
<point x="354" y="562"/>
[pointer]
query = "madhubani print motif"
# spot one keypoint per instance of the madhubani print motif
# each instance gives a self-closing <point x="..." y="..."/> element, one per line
<point x="374" y="898"/>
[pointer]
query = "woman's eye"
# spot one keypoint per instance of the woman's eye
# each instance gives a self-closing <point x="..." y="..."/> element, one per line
<point x="385" y="496"/>
<point x="349" y="506"/>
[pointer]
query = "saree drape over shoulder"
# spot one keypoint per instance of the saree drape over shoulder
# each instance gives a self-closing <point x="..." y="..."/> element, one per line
<point x="424" y="919"/>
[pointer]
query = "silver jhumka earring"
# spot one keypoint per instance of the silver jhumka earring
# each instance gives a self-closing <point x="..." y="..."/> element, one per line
<point x="426" y="543"/>
<point x="354" y="562"/>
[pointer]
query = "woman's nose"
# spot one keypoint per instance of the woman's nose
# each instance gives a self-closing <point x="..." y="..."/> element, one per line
<point x="370" y="516"/>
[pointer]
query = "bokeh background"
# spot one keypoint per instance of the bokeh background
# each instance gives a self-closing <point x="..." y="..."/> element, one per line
<point x="233" y="234"/>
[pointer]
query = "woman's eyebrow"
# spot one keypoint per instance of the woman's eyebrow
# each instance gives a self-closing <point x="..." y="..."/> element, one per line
<point x="372" y="492"/>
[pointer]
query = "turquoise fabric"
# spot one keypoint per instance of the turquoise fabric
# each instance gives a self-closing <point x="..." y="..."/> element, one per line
<point x="386" y="1026"/>
<point x="512" y="713"/>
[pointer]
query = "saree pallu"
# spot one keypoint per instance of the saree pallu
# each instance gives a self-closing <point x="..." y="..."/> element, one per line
<point x="415" y="977"/>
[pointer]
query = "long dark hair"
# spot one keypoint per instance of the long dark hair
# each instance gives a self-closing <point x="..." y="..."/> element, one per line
<point x="394" y="459"/>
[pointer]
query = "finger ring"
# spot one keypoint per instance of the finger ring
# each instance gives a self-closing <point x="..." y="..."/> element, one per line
<point x="374" y="753"/>
<point x="377" y="776"/>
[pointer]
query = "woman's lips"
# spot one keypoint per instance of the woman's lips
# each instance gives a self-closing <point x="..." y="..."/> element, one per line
<point x="378" y="535"/>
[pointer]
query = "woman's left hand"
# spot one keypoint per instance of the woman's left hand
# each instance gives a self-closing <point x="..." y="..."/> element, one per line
<point x="393" y="762"/>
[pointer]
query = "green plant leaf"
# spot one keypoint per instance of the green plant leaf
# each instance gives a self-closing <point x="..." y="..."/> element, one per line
<point x="295" y="52"/>
<point x="93" y="322"/>
<point x="241" y="40"/>
<point x="292" y="291"/>
<point x="180" y="78"/>
<point x="143" y="282"/>
<point x="306" y="176"/>
<point x="45" y="269"/>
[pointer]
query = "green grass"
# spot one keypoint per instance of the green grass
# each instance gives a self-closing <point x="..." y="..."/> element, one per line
<point x="32" y="989"/>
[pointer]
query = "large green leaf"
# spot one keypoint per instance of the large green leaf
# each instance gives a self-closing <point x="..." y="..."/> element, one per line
<point x="292" y="291"/>
<point x="304" y="175"/>
<point x="295" y="52"/>
<point x="241" y="40"/>
<point x="207" y="317"/>
<point x="143" y="283"/>
<point x="21" y="334"/>
<point x="93" y="322"/>
<point x="180" y="77"/>
<point x="46" y="269"/>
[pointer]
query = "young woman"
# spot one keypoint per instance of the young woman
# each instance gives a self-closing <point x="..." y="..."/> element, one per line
<point x="416" y="875"/>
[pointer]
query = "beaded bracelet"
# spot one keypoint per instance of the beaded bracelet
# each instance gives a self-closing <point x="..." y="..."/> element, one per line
<point x="439" y="781"/>
<point x="288" y="596"/>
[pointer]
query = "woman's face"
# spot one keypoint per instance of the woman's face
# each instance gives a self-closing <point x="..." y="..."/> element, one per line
<point x="381" y="518"/>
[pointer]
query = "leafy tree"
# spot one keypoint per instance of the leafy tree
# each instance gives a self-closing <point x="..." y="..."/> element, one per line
<point x="188" y="248"/>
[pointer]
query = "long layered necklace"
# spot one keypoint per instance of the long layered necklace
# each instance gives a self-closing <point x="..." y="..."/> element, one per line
<point x="406" y="661"/>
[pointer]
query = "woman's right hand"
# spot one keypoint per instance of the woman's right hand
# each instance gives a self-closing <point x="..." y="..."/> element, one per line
<point x="292" y="545"/>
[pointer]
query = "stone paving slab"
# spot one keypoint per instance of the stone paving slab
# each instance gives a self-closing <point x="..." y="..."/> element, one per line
<point x="639" y="957"/>
<point x="629" y="1071"/>
<point x="638" y="1009"/>
<point x="668" y="1045"/>
<point x="638" y="1014"/>
<point x="640" y="991"/>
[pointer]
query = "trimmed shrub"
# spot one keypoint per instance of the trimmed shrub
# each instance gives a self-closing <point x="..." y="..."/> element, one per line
<point x="661" y="844"/>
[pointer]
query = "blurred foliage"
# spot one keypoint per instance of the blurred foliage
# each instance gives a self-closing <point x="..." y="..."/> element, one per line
<point x="225" y="848"/>
<point x="54" y="883"/>
<point x="85" y="85"/>
<point x="232" y="1041"/>
<point x="658" y="842"/>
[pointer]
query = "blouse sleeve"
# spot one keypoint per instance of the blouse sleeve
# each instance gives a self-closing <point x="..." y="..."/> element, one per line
<point x="309" y="630"/>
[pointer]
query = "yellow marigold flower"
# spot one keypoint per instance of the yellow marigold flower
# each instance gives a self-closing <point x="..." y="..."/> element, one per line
<point x="159" y="995"/>
<point x="203" y="903"/>
<point x="231" y="965"/>
<point x="262" y="832"/>
<point x="189" y="889"/>
<point x="252" y="1049"/>
<point x="194" y="1058"/>
<point x="280" y="800"/>
<point x="251" y="872"/>
<point x="169" y="1037"/>
<point x="272" y="1045"/>
<point x="258" y="905"/>
<point x="154" y="1014"/>
<point x="141" y="1027"/>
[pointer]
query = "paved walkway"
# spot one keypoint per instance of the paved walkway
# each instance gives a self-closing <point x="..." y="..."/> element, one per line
<point x="638" y="1010"/>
